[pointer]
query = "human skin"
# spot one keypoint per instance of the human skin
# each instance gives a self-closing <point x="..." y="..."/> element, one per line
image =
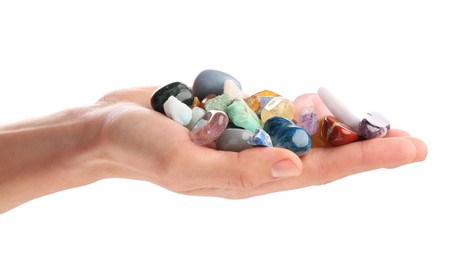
<point x="122" y="137"/>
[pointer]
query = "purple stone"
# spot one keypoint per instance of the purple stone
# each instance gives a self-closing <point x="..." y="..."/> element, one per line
<point x="309" y="122"/>
<point x="374" y="125"/>
<point x="209" y="128"/>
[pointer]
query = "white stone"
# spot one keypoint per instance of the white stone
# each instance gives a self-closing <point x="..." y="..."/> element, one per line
<point x="339" y="110"/>
<point x="177" y="110"/>
<point x="197" y="114"/>
<point x="232" y="90"/>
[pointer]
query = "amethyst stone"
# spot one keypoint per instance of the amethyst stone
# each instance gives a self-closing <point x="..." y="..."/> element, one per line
<point x="374" y="125"/>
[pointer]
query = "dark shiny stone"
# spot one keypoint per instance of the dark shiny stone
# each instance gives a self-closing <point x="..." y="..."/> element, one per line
<point x="211" y="82"/>
<point x="293" y="138"/>
<point x="177" y="89"/>
<point x="273" y="125"/>
<point x="285" y="134"/>
<point x="374" y="125"/>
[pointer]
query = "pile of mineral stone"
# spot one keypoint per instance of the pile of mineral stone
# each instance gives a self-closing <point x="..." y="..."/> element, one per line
<point x="219" y="115"/>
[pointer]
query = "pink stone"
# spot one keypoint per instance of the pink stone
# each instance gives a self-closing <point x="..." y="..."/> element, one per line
<point x="306" y="103"/>
<point x="209" y="128"/>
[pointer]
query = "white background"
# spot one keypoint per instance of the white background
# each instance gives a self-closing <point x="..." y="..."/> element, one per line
<point x="402" y="58"/>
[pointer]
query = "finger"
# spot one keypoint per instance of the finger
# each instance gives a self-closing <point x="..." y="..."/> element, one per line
<point x="231" y="172"/>
<point x="324" y="165"/>
<point x="397" y="133"/>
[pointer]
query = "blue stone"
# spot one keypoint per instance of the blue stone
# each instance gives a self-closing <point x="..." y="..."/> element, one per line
<point x="260" y="139"/>
<point x="177" y="89"/>
<point x="273" y="125"/>
<point x="211" y="82"/>
<point x="285" y="134"/>
<point x="293" y="138"/>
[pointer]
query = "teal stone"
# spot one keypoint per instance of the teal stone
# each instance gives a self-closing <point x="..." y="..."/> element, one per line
<point x="220" y="102"/>
<point x="243" y="116"/>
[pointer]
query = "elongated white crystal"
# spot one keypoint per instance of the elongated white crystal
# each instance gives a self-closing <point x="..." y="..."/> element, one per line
<point x="338" y="109"/>
<point x="177" y="110"/>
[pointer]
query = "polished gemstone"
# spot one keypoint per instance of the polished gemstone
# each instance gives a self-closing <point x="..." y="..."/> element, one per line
<point x="234" y="139"/>
<point x="197" y="114"/>
<point x="253" y="102"/>
<point x="374" y="125"/>
<point x="209" y="128"/>
<point x="278" y="106"/>
<point x="211" y="82"/>
<point x="285" y="134"/>
<point x="177" y="110"/>
<point x="309" y="103"/>
<point x="260" y="139"/>
<point x="320" y="139"/>
<point x="242" y="116"/>
<point x="220" y="102"/>
<point x="339" y="110"/>
<point x="266" y="93"/>
<point x="231" y="89"/>
<point x="338" y="133"/>
<point x="309" y="122"/>
<point x="177" y="89"/>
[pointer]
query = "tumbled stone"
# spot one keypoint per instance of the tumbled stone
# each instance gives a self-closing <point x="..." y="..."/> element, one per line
<point x="211" y="82"/>
<point x="242" y="116"/>
<point x="339" y="110"/>
<point x="220" y="102"/>
<point x="309" y="122"/>
<point x="260" y="139"/>
<point x="197" y="114"/>
<point x="374" y="125"/>
<point x="177" y="89"/>
<point x="319" y="139"/>
<point x="177" y="110"/>
<point x="285" y="134"/>
<point x="278" y="106"/>
<point x="266" y="93"/>
<point x="197" y="103"/>
<point x="293" y="138"/>
<point x="231" y="89"/>
<point x="253" y="103"/>
<point x="234" y="139"/>
<point x="209" y="128"/>
<point x="338" y="133"/>
<point x="309" y="103"/>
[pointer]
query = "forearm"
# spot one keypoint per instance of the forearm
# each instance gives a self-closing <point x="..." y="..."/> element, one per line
<point x="46" y="155"/>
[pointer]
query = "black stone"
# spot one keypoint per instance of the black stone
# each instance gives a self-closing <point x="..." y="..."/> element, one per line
<point x="176" y="89"/>
<point x="211" y="82"/>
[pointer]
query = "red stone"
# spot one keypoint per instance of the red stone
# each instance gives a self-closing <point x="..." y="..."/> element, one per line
<point x="337" y="133"/>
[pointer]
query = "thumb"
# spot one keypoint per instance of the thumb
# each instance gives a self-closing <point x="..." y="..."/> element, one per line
<point x="251" y="167"/>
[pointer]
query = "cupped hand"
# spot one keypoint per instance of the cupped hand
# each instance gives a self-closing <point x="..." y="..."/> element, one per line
<point x="144" y="144"/>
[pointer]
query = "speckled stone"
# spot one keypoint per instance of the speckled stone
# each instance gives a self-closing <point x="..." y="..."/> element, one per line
<point x="220" y="102"/>
<point x="234" y="139"/>
<point x="211" y="82"/>
<point x="209" y="128"/>
<point x="374" y="125"/>
<point x="177" y="89"/>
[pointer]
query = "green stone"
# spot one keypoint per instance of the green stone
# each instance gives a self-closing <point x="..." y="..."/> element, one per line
<point x="219" y="102"/>
<point x="243" y="116"/>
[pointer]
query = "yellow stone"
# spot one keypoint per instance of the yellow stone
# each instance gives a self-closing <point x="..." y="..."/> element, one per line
<point x="253" y="102"/>
<point x="278" y="106"/>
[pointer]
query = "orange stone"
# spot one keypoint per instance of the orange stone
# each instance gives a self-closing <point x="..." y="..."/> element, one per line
<point x="266" y="93"/>
<point x="253" y="102"/>
<point x="338" y="133"/>
<point x="320" y="139"/>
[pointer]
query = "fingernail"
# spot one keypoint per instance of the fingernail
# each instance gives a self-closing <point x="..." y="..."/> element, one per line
<point x="284" y="168"/>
